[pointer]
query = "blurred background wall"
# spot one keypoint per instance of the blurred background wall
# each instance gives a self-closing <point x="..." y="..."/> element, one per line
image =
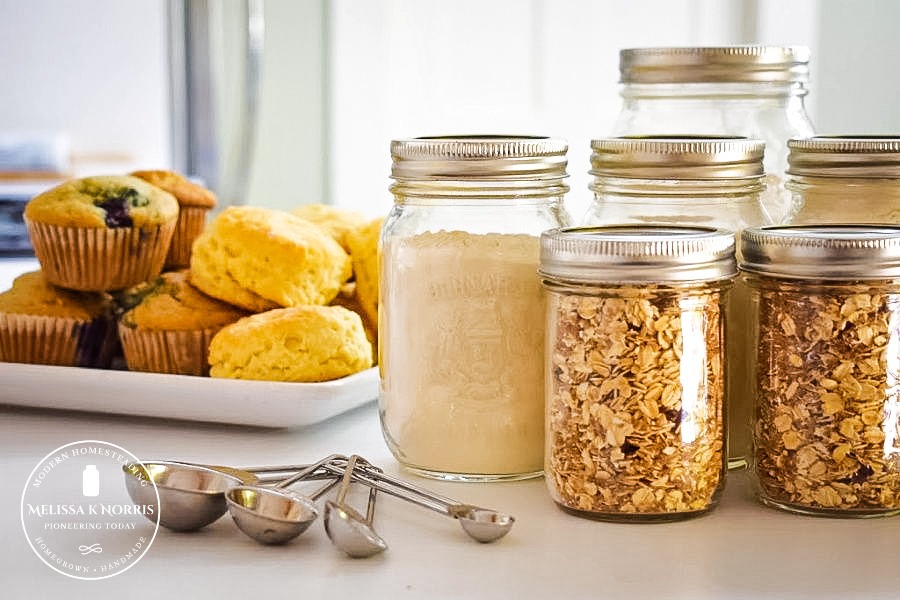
<point x="335" y="81"/>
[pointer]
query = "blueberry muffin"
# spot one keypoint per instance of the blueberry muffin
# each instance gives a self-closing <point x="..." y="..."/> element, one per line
<point x="261" y="258"/>
<point x="194" y="202"/>
<point x="166" y="325"/>
<point x="303" y="343"/>
<point x="101" y="233"/>
<point x="47" y="325"/>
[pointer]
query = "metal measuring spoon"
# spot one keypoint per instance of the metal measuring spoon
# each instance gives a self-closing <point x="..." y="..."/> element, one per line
<point x="482" y="524"/>
<point x="277" y="515"/>
<point x="346" y="528"/>
<point x="191" y="496"/>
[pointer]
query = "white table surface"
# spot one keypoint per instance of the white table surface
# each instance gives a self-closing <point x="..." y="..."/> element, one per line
<point x="740" y="550"/>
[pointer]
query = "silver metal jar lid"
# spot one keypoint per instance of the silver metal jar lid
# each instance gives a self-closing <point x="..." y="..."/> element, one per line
<point x="871" y="157"/>
<point x="637" y="254"/>
<point x="723" y="64"/>
<point x="485" y="157"/>
<point x="677" y="157"/>
<point x="841" y="252"/>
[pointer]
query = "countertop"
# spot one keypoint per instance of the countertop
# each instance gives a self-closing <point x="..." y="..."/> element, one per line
<point x="739" y="550"/>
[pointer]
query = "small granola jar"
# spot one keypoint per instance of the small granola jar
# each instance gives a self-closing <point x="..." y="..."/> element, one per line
<point x="845" y="179"/>
<point x="460" y="342"/>
<point x="827" y="403"/>
<point x="634" y="374"/>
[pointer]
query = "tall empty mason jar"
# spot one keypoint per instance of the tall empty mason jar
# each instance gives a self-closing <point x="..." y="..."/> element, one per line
<point x="461" y="329"/>
<point x="684" y="180"/>
<point x="752" y="91"/>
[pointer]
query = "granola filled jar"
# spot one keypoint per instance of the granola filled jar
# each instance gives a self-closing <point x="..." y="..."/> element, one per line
<point x="634" y="369"/>
<point x="827" y="401"/>
<point x="754" y="91"/>
<point x="690" y="180"/>
<point x="844" y="179"/>
<point x="460" y="336"/>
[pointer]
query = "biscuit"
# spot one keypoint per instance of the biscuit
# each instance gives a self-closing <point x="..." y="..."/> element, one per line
<point x="338" y="222"/>
<point x="260" y="258"/>
<point x="363" y="242"/>
<point x="303" y="344"/>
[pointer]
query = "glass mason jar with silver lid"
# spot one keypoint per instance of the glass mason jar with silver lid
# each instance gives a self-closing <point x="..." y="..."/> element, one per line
<point x="826" y="313"/>
<point x="634" y="373"/>
<point x="690" y="180"/>
<point x="753" y="91"/>
<point x="460" y="341"/>
<point x="844" y="179"/>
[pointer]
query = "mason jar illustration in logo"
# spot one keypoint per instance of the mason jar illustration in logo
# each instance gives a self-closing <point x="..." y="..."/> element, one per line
<point x="90" y="481"/>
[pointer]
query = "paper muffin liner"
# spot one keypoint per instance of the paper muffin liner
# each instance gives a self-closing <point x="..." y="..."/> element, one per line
<point x="173" y="352"/>
<point x="59" y="341"/>
<point x="191" y="221"/>
<point x="99" y="259"/>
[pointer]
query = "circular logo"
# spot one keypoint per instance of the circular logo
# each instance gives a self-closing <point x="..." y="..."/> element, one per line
<point x="78" y="515"/>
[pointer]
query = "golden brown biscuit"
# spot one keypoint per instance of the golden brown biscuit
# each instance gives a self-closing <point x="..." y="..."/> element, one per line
<point x="363" y="242"/>
<point x="338" y="222"/>
<point x="259" y="258"/>
<point x="303" y="343"/>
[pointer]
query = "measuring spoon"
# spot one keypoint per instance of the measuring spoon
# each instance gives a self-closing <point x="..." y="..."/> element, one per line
<point x="482" y="524"/>
<point x="191" y="495"/>
<point x="346" y="528"/>
<point x="277" y="515"/>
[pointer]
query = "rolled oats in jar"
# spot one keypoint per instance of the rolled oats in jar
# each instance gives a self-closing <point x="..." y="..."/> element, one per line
<point x="827" y="367"/>
<point x="634" y="375"/>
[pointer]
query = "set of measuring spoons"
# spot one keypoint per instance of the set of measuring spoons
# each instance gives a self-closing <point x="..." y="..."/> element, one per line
<point x="264" y="507"/>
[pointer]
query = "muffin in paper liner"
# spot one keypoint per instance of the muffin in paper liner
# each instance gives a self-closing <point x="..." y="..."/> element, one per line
<point x="190" y="224"/>
<point x="173" y="352"/>
<point x="58" y="341"/>
<point x="195" y="202"/>
<point x="99" y="259"/>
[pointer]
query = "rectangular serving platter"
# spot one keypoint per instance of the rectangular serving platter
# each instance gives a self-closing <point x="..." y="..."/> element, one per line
<point x="184" y="397"/>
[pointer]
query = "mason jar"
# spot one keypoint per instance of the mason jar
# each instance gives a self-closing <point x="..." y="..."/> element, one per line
<point x="460" y="334"/>
<point x="844" y="179"/>
<point x="688" y="180"/>
<point x="826" y="311"/>
<point x="752" y="91"/>
<point x="635" y="369"/>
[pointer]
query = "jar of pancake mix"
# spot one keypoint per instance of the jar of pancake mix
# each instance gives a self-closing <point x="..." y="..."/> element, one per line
<point x="844" y="179"/>
<point x="752" y="91"/>
<point x="635" y="369"/>
<point x="690" y="180"/>
<point x="826" y="313"/>
<point x="461" y="324"/>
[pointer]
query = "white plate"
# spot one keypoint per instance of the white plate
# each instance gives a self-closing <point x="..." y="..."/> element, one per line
<point x="240" y="402"/>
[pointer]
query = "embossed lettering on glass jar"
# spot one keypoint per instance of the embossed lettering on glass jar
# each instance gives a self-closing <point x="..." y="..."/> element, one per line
<point x="827" y="366"/>
<point x="461" y="342"/>
<point x="753" y="91"/>
<point x="844" y="179"/>
<point x="635" y="375"/>
<point x="690" y="180"/>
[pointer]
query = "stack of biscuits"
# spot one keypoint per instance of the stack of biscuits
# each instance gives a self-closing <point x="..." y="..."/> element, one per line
<point x="256" y="293"/>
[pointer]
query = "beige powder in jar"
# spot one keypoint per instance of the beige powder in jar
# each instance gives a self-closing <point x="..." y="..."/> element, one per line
<point x="462" y="354"/>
